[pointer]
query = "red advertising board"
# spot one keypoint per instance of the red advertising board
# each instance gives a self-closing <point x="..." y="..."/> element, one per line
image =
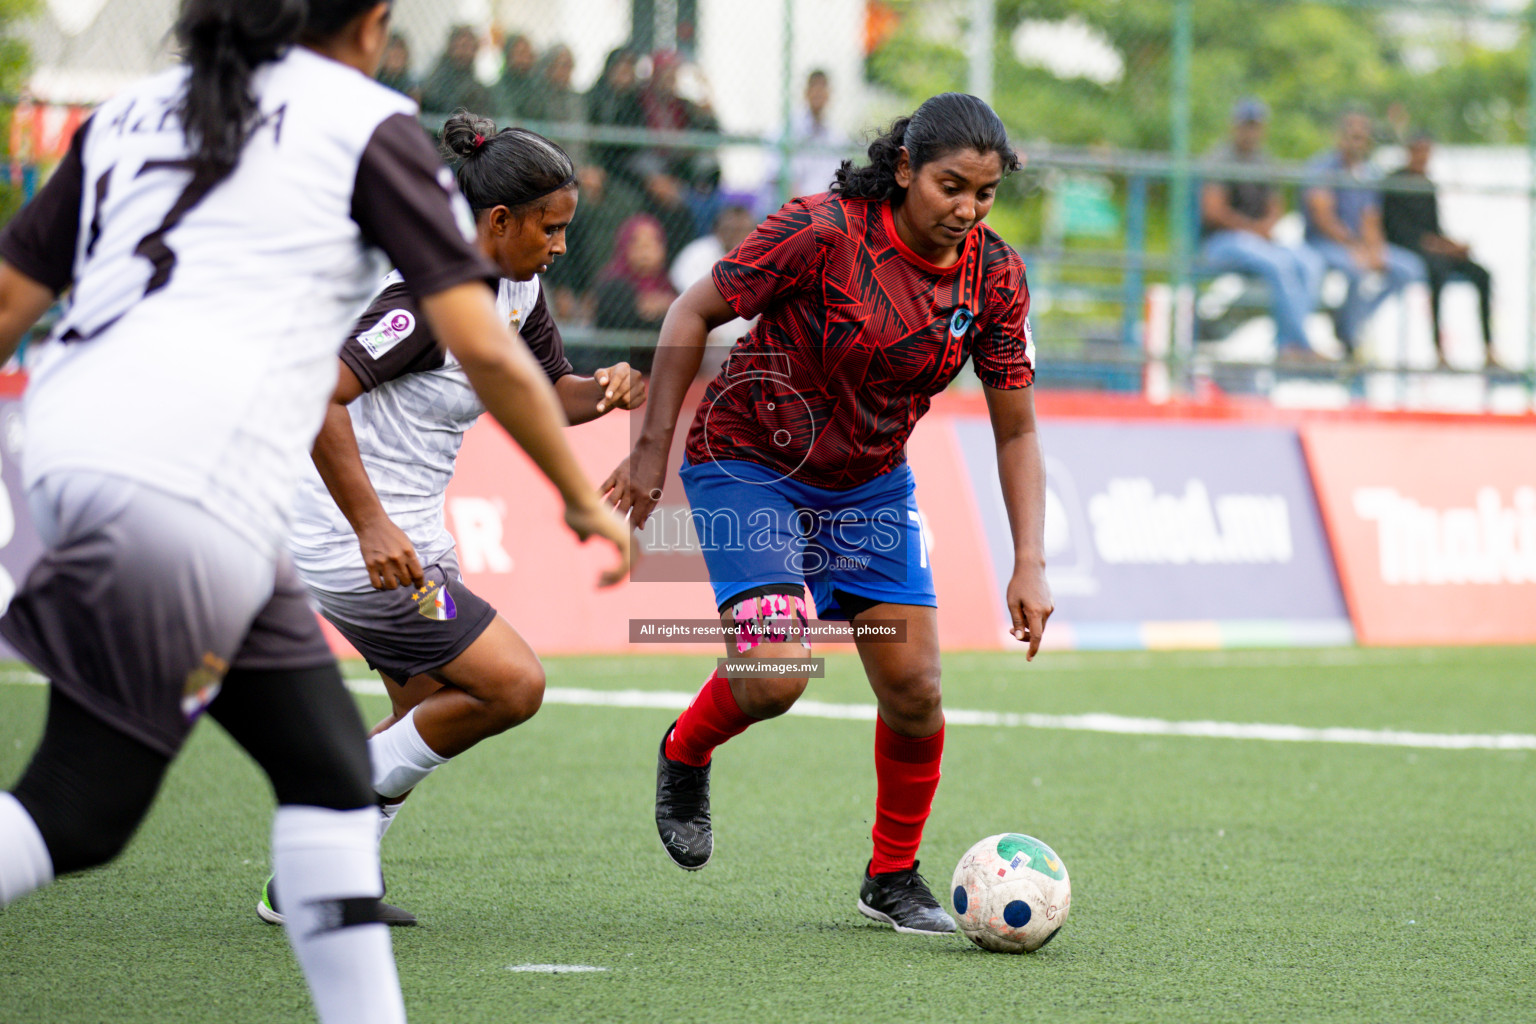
<point x="515" y="551"/>
<point x="1433" y="528"/>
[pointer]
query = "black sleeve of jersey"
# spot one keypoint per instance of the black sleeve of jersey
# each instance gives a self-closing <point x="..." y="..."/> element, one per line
<point x="405" y="201"/>
<point x="40" y="240"/>
<point x="543" y="338"/>
<point x="390" y="340"/>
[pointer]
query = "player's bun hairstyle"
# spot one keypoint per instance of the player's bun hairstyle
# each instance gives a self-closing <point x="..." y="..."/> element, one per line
<point x="513" y="167"/>
<point x="946" y="123"/>
<point x="224" y="41"/>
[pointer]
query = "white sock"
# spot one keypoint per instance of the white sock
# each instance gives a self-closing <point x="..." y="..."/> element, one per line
<point x="387" y="811"/>
<point x="25" y="863"/>
<point x="401" y="758"/>
<point x="323" y="858"/>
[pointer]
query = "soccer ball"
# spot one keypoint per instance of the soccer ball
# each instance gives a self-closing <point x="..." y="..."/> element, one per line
<point x="1011" y="893"/>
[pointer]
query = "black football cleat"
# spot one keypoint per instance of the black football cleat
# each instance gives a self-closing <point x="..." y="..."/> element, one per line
<point x="902" y="900"/>
<point x="268" y="911"/>
<point x="682" y="809"/>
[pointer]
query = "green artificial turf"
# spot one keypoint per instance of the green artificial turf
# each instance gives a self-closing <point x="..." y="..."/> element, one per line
<point x="1213" y="879"/>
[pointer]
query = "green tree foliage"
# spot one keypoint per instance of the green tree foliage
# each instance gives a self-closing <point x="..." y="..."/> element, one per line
<point x="1308" y="60"/>
<point x="15" y="62"/>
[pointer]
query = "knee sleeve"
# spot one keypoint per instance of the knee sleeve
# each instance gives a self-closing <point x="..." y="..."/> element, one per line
<point x="769" y="618"/>
<point x="303" y="729"/>
<point x="87" y="787"/>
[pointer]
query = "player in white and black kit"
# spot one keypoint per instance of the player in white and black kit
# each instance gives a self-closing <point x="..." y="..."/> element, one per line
<point x="369" y="538"/>
<point x="218" y="225"/>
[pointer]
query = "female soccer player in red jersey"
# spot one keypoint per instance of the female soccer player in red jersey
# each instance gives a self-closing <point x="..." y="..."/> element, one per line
<point x="870" y="298"/>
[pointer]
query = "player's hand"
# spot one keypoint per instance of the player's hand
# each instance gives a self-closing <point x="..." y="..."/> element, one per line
<point x="390" y="557"/>
<point x="623" y="387"/>
<point x="597" y="519"/>
<point x="634" y="487"/>
<point x="1029" y="605"/>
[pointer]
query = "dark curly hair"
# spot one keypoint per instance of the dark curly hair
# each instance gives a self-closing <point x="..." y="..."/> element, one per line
<point x="945" y="123"/>
<point x="512" y="167"/>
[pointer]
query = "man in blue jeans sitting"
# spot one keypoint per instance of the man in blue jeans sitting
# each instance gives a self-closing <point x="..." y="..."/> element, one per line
<point x="1344" y="228"/>
<point x="1237" y="219"/>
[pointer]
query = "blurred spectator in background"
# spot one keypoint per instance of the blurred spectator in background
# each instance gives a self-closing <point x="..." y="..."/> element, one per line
<point x="452" y="83"/>
<point x="703" y="195"/>
<point x="666" y="198"/>
<point x="605" y="204"/>
<point x="1411" y="219"/>
<point x="614" y="102"/>
<point x="666" y="110"/>
<point x="519" y="80"/>
<point x="1237" y="223"/>
<point x="732" y="225"/>
<point x="811" y="173"/>
<point x="551" y="98"/>
<point x="1396" y="126"/>
<point x="633" y="293"/>
<point x="1344" y="228"/>
<point x="395" y="68"/>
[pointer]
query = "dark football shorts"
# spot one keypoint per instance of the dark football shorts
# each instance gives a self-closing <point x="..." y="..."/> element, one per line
<point x="409" y="631"/>
<point x="143" y="601"/>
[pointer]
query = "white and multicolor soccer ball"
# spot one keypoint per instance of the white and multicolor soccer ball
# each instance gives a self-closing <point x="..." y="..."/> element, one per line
<point x="1011" y="893"/>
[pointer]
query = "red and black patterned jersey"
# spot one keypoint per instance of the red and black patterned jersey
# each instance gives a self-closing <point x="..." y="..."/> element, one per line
<point x="856" y="333"/>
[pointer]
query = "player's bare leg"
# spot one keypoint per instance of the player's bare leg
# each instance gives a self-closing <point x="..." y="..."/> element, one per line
<point x="495" y="684"/>
<point x="909" y="746"/>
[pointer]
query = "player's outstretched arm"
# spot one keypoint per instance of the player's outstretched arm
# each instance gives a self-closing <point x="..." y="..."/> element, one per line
<point x="635" y="486"/>
<point x="22" y="302"/>
<point x="619" y="386"/>
<point x="1021" y="467"/>
<point x="517" y="393"/>
<point x="387" y="551"/>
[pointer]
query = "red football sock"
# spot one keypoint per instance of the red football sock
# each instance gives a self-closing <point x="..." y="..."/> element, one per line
<point x="709" y="721"/>
<point x="906" y="774"/>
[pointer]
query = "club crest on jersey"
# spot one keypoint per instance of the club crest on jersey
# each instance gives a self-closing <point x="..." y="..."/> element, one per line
<point x="434" y="602"/>
<point x="391" y="330"/>
<point x="961" y="322"/>
<point x="202" y="685"/>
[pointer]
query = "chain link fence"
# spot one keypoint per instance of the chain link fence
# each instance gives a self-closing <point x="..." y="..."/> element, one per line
<point x="1141" y="124"/>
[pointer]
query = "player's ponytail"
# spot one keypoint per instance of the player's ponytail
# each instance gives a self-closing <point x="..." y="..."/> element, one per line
<point x="513" y="167"/>
<point x="224" y="41"/>
<point x="946" y="123"/>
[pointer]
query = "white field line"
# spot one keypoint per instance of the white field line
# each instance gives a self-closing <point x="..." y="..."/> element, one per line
<point x="1131" y="661"/>
<point x="555" y="969"/>
<point x="1095" y="722"/>
<point x="676" y="700"/>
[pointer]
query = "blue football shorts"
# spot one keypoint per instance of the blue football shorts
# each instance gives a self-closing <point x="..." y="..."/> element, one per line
<point x="760" y="530"/>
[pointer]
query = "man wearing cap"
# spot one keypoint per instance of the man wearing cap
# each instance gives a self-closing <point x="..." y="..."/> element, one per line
<point x="1237" y="219"/>
<point x="1344" y="228"/>
<point x="1410" y="215"/>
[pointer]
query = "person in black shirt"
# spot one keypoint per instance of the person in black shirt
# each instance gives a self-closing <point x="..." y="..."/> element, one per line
<point x="1411" y="219"/>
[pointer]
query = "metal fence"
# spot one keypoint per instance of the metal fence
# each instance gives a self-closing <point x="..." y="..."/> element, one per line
<point x="703" y="114"/>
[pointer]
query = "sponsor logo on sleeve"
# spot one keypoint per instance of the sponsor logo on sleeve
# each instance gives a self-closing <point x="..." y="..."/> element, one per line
<point x="1029" y="342"/>
<point x="391" y="330"/>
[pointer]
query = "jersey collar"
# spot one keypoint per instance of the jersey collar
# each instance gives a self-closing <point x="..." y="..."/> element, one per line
<point x="889" y="218"/>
